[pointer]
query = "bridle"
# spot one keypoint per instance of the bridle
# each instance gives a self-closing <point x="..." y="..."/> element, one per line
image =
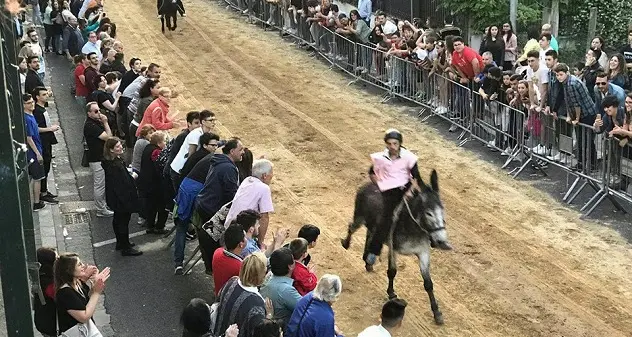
<point x="425" y="230"/>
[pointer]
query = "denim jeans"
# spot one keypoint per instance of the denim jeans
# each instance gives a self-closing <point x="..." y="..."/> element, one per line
<point x="180" y="240"/>
<point x="37" y="14"/>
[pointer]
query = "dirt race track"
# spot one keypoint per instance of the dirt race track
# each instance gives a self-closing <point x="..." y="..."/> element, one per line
<point x="523" y="265"/>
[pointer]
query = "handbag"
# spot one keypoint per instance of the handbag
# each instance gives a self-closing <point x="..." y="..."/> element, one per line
<point x="85" y="161"/>
<point x="215" y="226"/>
<point x="88" y="329"/>
<point x="213" y="309"/>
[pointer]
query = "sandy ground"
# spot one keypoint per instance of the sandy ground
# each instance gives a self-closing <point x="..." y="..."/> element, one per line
<point x="523" y="265"/>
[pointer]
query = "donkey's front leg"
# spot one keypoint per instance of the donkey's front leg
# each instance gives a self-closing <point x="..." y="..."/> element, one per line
<point x="424" y="266"/>
<point x="391" y="273"/>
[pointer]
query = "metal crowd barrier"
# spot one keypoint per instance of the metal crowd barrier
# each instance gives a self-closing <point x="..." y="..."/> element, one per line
<point x="615" y="178"/>
<point x="527" y="137"/>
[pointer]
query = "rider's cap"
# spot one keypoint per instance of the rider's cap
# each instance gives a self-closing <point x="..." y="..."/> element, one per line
<point x="393" y="134"/>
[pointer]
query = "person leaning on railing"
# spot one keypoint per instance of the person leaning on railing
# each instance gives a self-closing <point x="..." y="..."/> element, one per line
<point x="358" y="27"/>
<point x="441" y="66"/>
<point x="624" y="132"/>
<point x="613" y="118"/>
<point x="581" y="109"/>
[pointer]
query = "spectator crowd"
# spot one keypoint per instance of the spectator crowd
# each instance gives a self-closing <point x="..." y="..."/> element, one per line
<point x="518" y="92"/>
<point x="218" y="193"/>
<point x="522" y="93"/>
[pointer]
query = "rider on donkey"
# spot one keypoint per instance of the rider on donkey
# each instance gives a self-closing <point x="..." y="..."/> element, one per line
<point x="394" y="171"/>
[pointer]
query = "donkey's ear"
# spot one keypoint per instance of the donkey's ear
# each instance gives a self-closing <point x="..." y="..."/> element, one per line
<point x="434" y="181"/>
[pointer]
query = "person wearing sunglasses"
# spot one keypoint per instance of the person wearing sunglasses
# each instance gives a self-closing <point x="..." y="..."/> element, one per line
<point x="604" y="87"/>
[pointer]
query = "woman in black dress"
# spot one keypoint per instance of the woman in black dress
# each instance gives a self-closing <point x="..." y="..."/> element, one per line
<point x="120" y="194"/>
<point x="495" y="44"/>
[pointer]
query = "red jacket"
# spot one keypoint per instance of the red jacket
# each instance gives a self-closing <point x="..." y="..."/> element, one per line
<point x="304" y="280"/>
<point x="156" y="115"/>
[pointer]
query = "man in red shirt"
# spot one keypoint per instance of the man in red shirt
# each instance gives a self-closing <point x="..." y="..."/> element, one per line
<point x="468" y="64"/>
<point x="81" y="91"/>
<point x="466" y="61"/>
<point x="227" y="260"/>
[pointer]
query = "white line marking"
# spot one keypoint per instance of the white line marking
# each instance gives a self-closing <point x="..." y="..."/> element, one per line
<point x="111" y="241"/>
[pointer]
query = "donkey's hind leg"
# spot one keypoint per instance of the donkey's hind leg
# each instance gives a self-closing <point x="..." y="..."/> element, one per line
<point x="357" y="222"/>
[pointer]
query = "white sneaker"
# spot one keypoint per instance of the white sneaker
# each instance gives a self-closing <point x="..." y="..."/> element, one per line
<point x="557" y="157"/>
<point x="506" y="151"/>
<point x="441" y="110"/>
<point x="453" y="128"/>
<point x="491" y="143"/>
<point x="105" y="214"/>
<point x="539" y="150"/>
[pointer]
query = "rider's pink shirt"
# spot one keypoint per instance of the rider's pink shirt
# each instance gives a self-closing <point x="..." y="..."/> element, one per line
<point x="393" y="173"/>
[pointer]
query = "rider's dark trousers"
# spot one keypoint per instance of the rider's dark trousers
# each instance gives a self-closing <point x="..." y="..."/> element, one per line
<point x="391" y="199"/>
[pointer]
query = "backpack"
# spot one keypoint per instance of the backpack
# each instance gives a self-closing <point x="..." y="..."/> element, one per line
<point x="73" y="42"/>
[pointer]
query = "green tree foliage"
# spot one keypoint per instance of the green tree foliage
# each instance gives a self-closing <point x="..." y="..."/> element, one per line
<point x="612" y="20"/>
<point x="489" y="12"/>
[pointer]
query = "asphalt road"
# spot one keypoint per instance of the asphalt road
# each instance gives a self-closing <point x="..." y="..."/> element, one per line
<point x="143" y="296"/>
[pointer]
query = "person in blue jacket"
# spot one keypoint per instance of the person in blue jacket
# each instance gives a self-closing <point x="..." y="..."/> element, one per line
<point x="313" y="315"/>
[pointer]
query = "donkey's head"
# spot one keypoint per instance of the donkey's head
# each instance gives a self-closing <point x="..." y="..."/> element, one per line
<point x="431" y="214"/>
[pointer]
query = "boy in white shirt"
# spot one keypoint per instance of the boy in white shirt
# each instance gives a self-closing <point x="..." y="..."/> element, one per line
<point x="391" y="319"/>
<point x="538" y="79"/>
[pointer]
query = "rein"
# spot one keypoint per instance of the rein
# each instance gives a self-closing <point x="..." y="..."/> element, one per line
<point x="410" y="213"/>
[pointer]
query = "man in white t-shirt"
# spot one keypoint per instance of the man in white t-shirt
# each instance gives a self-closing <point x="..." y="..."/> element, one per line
<point x="391" y="320"/>
<point x="254" y="193"/>
<point x="190" y="145"/>
<point x="538" y="78"/>
<point x="545" y="45"/>
<point x="538" y="81"/>
<point x="387" y="26"/>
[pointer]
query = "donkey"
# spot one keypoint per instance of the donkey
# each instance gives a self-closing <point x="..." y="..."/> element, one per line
<point x="418" y="225"/>
<point x="167" y="11"/>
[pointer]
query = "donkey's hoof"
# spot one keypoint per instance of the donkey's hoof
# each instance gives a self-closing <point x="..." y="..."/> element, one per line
<point x="370" y="258"/>
<point x="392" y="295"/>
<point x="345" y="243"/>
<point x="368" y="267"/>
<point x="438" y="317"/>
